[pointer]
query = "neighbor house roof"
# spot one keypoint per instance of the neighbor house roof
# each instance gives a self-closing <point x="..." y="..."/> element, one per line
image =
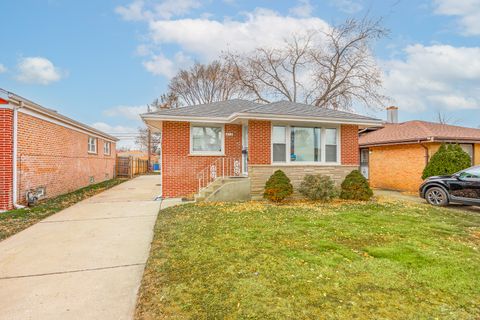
<point x="418" y="131"/>
<point x="23" y="103"/>
<point x="233" y="110"/>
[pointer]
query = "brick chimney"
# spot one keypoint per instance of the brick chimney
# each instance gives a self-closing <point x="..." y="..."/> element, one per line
<point x="392" y="114"/>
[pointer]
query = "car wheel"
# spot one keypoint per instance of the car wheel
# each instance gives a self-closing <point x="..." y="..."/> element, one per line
<point x="436" y="196"/>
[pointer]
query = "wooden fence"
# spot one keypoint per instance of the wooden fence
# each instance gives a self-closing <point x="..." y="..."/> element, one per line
<point x="129" y="167"/>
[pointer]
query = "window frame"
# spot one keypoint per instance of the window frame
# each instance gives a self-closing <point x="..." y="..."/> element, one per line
<point x="322" y="162"/>
<point x="95" y="139"/>
<point x="105" y="144"/>
<point x="207" y="153"/>
<point x="287" y="137"/>
<point x="472" y="149"/>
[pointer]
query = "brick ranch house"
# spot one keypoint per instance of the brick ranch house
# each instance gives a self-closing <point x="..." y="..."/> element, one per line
<point x="237" y="137"/>
<point x="46" y="154"/>
<point x="393" y="156"/>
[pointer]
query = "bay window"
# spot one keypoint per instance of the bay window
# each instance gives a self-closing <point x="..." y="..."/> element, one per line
<point x="206" y="139"/>
<point x="304" y="144"/>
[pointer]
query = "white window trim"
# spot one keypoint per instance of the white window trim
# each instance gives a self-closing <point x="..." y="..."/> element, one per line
<point x="322" y="161"/>
<point x="105" y="144"/>
<point x="96" y="145"/>
<point x="206" y="153"/>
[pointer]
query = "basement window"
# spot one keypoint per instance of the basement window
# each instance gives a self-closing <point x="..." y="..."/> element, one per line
<point x="92" y="145"/>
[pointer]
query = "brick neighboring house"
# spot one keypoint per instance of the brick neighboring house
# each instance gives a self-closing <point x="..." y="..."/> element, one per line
<point x="393" y="156"/>
<point x="45" y="153"/>
<point x="254" y="140"/>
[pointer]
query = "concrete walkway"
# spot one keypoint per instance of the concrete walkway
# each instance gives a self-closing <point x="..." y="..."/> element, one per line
<point x="85" y="262"/>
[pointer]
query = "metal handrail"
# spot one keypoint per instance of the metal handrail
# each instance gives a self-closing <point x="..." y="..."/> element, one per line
<point x="221" y="167"/>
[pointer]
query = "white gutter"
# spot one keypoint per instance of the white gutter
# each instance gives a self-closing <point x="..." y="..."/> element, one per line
<point x="14" y="155"/>
<point x="367" y="123"/>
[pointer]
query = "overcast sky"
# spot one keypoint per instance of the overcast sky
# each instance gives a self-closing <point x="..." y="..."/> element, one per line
<point x="101" y="62"/>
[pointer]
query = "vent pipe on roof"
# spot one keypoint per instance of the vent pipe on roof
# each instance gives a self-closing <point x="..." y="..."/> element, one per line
<point x="392" y="114"/>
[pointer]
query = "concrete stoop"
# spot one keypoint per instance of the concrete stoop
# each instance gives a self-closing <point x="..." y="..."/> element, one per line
<point x="226" y="189"/>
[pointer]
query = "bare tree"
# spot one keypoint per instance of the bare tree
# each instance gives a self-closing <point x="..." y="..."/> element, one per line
<point x="330" y="68"/>
<point x="205" y="84"/>
<point x="166" y="101"/>
<point x="141" y="140"/>
<point x="443" y="118"/>
<point x="145" y="137"/>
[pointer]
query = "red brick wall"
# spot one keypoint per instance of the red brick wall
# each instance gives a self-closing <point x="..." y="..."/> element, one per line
<point x="349" y="145"/>
<point x="259" y="142"/>
<point x="56" y="157"/>
<point x="179" y="168"/>
<point x="6" y="151"/>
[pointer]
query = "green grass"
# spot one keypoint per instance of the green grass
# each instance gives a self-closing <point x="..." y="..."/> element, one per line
<point x="313" y="261"/>
<point x="15" y="221"/>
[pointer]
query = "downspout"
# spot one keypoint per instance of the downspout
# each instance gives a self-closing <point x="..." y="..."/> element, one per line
<point x="427" y="157"/>
<point x="15" y="153"/>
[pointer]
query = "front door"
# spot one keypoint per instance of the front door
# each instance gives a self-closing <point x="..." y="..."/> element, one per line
<point x="245" y="150"/>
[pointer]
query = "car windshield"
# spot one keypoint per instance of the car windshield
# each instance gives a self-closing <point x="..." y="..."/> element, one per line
<point x="470" y="173"/>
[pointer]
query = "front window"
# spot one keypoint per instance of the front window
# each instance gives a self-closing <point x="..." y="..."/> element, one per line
<point x="468" y="148"/>
<point x="92" y="145"/>
<point x="207" y="139"/>
<point x="330" y="145"/>
<point x="304" y="144"/>
<point x="279" y="143"/>
<point x="106" y="148"/>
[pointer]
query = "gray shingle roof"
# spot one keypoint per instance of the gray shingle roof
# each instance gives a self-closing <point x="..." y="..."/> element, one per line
<point x="221" y="109"/>
<point x="225" y="109"/>
<point x="304" y="110"/>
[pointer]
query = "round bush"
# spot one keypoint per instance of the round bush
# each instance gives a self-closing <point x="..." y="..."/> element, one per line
<point x="355" y="187"/>
<point x="278" y="187"/>
<point x="318" y="187"/>
<point x="446" y="161"/>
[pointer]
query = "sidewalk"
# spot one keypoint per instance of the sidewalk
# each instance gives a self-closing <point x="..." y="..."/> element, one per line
<point x="85" y="262"/>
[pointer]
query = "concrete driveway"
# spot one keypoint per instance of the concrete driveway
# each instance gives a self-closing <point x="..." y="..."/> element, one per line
<point x="85" y="262"/>
<point x="416" y="199"/>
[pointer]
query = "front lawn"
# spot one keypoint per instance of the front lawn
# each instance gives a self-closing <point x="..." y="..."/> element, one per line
<point x="15" y="221"/>
<point x="312" y="261"/>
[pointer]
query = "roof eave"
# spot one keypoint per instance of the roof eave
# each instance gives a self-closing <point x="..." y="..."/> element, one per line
<point x="28" y="104"/>
<point x="362" y="122"/>
<point x="251" y="116"/>
<point x="418" y="140"/>
<point x="157" y="117"/>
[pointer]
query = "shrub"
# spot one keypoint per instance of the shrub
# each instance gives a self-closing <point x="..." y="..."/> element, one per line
<point x="355" y="187"/>
<point x="318" y="187"/>
<point x="278" y="187"/>
<point x="447" y="160"/>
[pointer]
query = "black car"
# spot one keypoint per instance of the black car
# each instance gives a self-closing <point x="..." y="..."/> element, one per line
<point x="462" y="187"/>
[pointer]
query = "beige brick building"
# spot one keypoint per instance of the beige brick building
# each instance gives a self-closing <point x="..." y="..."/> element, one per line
<point x="393" y="157"/>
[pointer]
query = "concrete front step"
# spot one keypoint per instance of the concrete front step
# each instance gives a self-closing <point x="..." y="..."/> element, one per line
<point x="226" y="189"/>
